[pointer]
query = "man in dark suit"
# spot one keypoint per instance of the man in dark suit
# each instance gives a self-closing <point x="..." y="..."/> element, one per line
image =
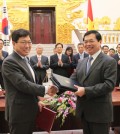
<point x="3" y="55"/>
<point x="21" y="88"/>
<point x="117" y="58"/>
<point x="59" y="63"/>
<point x="40" y="64"/>
<point x="94" y="102"/>
<point x="80" y="55"/>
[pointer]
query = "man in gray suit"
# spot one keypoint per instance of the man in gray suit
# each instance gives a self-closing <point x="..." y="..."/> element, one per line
<point x="94" y="102"/>
<point x="21" y="89"/>
<point x="40" y="64"/>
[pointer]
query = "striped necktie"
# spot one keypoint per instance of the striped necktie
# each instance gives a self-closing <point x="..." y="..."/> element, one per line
<point x="89" y="64"/>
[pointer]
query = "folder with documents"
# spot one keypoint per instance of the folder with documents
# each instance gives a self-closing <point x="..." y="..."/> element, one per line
<point x="64" y="83"/>
<point x="45" y="119"/>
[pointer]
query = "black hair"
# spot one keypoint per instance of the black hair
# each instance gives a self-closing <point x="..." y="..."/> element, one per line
<point x="69" y="48"/>
<point x="97" y="34"/>
<point x="20" y="33"/>
<point x="59" y="44"/>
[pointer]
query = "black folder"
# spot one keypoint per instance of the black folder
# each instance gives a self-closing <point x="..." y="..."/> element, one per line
<point x="64" y="83"/>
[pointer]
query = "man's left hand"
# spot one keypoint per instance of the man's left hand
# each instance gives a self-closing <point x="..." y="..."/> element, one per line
<point x="80" y="92"/>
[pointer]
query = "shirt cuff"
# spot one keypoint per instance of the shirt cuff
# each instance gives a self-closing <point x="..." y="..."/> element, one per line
<point x="46" y="89"/>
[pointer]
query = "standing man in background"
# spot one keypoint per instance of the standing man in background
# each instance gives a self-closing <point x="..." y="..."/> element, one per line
<point x="40" y="64"/>
<point x="80" y="55"/>
<point x="22" y="92"/>
<point x="105" y="49"/>
<point x="59" y="63"/>
<point x="96" y="75"/>
<point x="3" y="55"/>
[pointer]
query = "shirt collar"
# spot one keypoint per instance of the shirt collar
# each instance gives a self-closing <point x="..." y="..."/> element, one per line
<point x="39" y="56"/>
<point x="96" y="54"/>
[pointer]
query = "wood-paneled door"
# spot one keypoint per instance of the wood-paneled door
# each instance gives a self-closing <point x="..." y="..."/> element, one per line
<point x="42" y="25"/>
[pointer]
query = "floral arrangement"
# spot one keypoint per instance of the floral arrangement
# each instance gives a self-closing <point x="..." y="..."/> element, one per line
<point x="63" y="104"/>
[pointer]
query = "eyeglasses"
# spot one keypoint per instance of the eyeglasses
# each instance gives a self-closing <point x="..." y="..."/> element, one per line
<point x="25" y="42"/>
<point x="89" y="41"/>
<point x="58" y="47"/>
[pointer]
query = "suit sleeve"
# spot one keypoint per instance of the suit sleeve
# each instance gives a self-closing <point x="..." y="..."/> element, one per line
<point x="18" y="78"/>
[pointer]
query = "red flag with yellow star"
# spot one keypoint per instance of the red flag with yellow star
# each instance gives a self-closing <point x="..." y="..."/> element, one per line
<point x="90" y="25"/>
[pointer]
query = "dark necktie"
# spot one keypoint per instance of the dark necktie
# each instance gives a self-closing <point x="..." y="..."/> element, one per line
<point x="89" y="63"/>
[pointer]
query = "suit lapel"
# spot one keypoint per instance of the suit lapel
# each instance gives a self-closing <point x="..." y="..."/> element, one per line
<point x="117" y="56"/>
<point x="56" y="57"/>
<point x="23" y="64"/>
<point x="42" y="59"/>
<point x="36" y="58"/>
<point x="95" y="63"/>
<point x="78" y="56"/>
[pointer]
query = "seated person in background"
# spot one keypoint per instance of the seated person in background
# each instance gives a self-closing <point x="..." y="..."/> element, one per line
<point x="111" y="52"/>
<point x="59" y="63"/>
<point x="105" y="49"/>
<point x="40" y="64"/>
<point x="3" y="55"/>
<point x="69" y="53"/>
<point x="80" y="55"/>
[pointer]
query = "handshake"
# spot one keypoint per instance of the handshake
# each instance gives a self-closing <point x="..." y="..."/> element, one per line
<point x="52" y="90"/>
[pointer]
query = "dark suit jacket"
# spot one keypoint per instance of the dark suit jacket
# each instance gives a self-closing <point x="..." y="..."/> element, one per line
<point x="96" y="104"/>
<point x="21" y="91"/>
<point x="58" y="69"/>
<point x="76" y="57"/>
<point x="40" y="72"/>
<point x="4" y="54"/>
<point x="116" y="57"/>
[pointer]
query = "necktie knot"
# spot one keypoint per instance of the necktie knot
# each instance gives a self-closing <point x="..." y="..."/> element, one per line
<point x="90" y="58"/>
<point x="27" y="60"/>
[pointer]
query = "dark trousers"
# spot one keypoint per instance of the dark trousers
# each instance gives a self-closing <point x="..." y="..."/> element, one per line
<point x="95" y="128"/>
<point x="1" y="81"/>
<point x="22" y="128"/>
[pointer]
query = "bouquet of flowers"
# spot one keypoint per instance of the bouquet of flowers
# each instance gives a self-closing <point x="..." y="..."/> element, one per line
<point x="63" y="104"/>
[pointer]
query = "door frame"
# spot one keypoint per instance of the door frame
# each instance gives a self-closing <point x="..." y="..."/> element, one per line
<point x="51" y="10"/>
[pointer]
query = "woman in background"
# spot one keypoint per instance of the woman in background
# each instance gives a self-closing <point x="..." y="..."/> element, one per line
<point x="69" y="53"/>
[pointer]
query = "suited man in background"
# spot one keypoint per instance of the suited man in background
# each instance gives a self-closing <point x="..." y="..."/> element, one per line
<point x="94" y="101"/>
<point x="40" y="64"/>
<point x="117" y="58"/>
<point x="3" y="55"/>
<point x="80" y="55"/>
<point x="21" y="106"/>
<point x="59" y="63"/>
<point x="105" y="49"/>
